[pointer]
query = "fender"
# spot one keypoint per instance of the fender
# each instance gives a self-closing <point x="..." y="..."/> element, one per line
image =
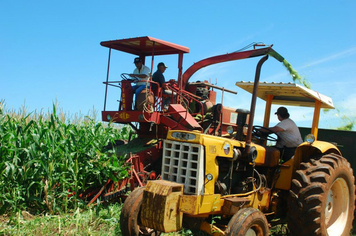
<point x="304" y="151"/>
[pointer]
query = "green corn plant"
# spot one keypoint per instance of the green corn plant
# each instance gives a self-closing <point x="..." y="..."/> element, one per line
<point x="46" y="160"/>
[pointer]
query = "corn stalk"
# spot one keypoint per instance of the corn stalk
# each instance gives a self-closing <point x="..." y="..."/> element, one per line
<point x="46" y="162"/>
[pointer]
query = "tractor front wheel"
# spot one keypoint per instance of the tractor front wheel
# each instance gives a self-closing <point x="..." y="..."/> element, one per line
<point x="248" y="222"/>
<point x="130" y="216"/>
<point x="322" y="197"/>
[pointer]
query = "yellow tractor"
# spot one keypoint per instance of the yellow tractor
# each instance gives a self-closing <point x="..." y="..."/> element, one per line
<point x="237" y="184"/>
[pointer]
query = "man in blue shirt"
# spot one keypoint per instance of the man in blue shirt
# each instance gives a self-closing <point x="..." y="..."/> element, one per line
<point x="159" y="78"/>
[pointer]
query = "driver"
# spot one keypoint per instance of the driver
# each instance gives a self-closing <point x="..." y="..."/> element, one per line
<point x="143" y="73"/>
<point x="288" y="133"/>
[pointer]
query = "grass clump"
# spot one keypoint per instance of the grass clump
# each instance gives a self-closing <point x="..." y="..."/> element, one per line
<point x="97" y="220"/>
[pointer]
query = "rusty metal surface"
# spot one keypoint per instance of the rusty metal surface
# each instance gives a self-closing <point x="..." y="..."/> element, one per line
<point x="160" y="206"/>
<point x="233" y="204"/>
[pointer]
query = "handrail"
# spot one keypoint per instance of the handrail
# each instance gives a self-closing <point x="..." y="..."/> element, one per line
<point x="214" y="86"/>
<point x="190" y="95"/>
<point x="182" y="95"/>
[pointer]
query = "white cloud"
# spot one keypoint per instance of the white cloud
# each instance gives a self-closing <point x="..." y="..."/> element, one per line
<point x="336" y="56"/>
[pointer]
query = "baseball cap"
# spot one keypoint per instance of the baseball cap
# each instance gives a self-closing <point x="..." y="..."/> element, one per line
<point x="137" y="59"/>
<point x="281" y="111"/>
<point x="161" y="64"/>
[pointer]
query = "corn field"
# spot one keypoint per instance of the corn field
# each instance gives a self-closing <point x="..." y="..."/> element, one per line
<point x="46" y="162"/>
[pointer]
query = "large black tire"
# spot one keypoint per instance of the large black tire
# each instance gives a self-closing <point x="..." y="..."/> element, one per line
<point x="130" y="216"/>
<point x="322" y="197"/>
<point x="248" y="222"/>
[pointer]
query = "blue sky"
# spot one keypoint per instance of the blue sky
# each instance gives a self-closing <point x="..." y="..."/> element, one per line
<point x="50" y="50"/>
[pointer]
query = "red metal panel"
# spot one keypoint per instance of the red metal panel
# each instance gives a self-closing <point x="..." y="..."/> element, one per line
<point x="180" y="114"/>
<point x="172" y="124"/>
<point x="212" y="96"/>
<point x="229" y="115"/>
<point x="131" y="116"/>
<point x="143" y="46"/>
<point x="126" y="95"/>
<point x="222" y="58"/>
<point x="125" y="116"/>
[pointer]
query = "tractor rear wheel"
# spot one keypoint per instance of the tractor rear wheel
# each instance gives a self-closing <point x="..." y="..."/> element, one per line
<point x="248" y="222"/>
<point x="130" y="216"/>
<point x="322" y="197"/>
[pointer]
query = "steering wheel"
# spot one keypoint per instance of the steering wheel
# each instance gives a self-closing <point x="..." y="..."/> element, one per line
<point x="260" y="133"/>
<point x="126" y="76"/>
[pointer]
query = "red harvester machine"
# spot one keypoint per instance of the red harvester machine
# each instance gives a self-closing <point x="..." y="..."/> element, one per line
<point x="193" y="107"/>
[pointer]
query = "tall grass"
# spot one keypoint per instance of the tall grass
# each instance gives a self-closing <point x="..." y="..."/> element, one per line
<point x="46" y="161"/>
<point x="97" y="220"/>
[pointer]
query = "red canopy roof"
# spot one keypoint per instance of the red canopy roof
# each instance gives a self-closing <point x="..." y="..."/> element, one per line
<point x="144" y="46"/>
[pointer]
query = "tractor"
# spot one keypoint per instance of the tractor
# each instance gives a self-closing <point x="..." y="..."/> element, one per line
<point x="210" y="169"/>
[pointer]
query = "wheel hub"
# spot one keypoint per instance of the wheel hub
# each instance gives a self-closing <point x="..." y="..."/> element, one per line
<point x="250" y="232"/>
<point x="337" y="207"/>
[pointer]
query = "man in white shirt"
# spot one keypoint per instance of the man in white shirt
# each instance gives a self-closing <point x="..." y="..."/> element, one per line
<point x="141" y="72"/>
<point x="288" y="133"/>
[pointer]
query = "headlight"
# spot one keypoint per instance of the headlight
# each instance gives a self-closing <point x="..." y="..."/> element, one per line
<point x="227" y="148"/>
<point x="183" y="136"/>
<point x="245" y="129"/>
<point x="209" y="177"/>
<point x="229" y="129"/>
<point x="310" y="138"/>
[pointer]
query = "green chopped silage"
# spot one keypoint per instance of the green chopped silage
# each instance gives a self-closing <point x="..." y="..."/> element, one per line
<point x="288" y="66"/>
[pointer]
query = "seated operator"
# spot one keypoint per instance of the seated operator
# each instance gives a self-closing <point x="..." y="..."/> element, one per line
<point x="141" y="72"/>
<point x="288" y="133"/>
<point x="159" y="78"/>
